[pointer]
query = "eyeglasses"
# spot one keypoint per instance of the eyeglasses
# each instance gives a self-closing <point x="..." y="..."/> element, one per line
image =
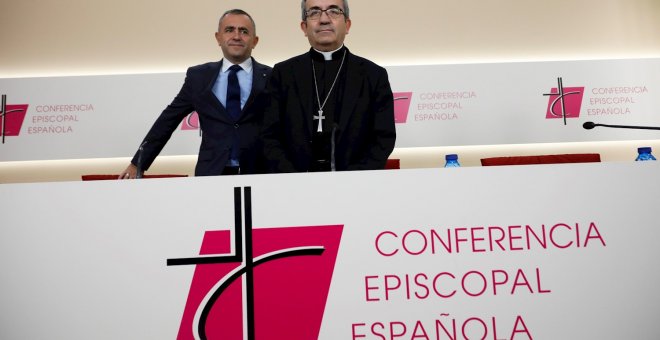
<point x="315" y="13"/>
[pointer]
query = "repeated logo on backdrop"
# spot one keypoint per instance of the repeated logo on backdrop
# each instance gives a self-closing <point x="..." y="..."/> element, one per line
<point x="11" y="118"/>
<point x="564" y="102"/>
<point x="46" y="119"/>
<point x="191" y="122"/>
<point x="600" y="101"/>
<point x="273" y="284"/>
<point x="432" y="107"/>
<point x="402" y="102"/>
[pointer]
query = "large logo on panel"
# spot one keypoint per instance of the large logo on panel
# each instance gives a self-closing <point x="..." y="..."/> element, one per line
<point x="564" y="102"/>
<point x="11" y="118"/>
<point x="268" y="283"/>
<point x="402" y="106"/>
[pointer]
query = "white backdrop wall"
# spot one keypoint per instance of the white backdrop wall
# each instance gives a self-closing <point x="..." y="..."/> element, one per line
<point x="56" y="118"/>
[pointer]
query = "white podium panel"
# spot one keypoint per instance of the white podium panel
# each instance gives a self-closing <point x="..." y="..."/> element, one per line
<point x="526" y="252"/>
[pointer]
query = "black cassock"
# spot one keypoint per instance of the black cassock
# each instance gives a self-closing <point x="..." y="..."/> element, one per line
<point x="360" y="109"/>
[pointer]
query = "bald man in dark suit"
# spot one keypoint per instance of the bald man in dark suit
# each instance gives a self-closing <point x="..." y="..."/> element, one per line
<point x="230" y="143"/>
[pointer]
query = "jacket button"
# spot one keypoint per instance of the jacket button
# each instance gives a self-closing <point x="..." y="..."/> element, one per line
<point x="235" y="126"/>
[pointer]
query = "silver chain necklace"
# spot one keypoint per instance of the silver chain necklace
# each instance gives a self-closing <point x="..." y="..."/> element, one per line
<point x="321" y="117"/>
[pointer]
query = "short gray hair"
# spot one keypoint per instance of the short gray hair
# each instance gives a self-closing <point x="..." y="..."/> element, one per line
<point x="304" y="12"/>
<point x="237" y="11"/>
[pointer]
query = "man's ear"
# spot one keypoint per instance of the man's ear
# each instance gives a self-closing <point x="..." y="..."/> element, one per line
<point x="303" y="27"/>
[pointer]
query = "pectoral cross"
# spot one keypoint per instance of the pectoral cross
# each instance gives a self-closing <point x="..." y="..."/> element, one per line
<point x="320" y="118"/>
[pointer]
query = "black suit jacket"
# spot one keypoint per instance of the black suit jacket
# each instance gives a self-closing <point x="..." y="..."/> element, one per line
<point x="365" y="134"/>
<point x="218" y="127"/>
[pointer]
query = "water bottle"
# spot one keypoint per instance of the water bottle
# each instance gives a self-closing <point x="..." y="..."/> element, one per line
<point x="451" y="161"/>
<point x="644" y="154"/>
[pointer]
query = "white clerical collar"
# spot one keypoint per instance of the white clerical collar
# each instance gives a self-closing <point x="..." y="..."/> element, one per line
<point x="246" y="65"/>
<point x="328" y="55"/>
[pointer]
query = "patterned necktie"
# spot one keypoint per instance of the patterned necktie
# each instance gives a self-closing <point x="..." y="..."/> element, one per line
<point x="233" y="93"/>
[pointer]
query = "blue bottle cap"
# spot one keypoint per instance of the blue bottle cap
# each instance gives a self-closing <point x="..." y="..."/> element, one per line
<point x="451" y="157"/>
<point x="644" y="149"/>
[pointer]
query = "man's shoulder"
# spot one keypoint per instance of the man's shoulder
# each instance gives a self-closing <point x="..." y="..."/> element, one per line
<point x="292" y="61"/>
<point x="261" y="67"/>
<point x="212" y="65"/>
<point x="366" y="63"/>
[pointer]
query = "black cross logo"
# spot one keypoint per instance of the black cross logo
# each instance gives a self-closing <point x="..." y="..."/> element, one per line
<point x="244" y="257"/>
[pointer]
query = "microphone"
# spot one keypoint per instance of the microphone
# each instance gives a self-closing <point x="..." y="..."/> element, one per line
<point x="332" y="148"/>
<point x="591" y="125"/>
<point x="139" y="160"/>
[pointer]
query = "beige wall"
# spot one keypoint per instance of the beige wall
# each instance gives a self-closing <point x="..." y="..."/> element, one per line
<point x="76" y="37"/>
<point x="47" y="37"/>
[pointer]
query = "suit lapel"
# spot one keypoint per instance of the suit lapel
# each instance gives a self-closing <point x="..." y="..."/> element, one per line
<point x="209" y="97"/>
<point x="259" y="77"/>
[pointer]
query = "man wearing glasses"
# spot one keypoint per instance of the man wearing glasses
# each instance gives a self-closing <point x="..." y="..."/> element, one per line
<point x="330" y="109"/>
